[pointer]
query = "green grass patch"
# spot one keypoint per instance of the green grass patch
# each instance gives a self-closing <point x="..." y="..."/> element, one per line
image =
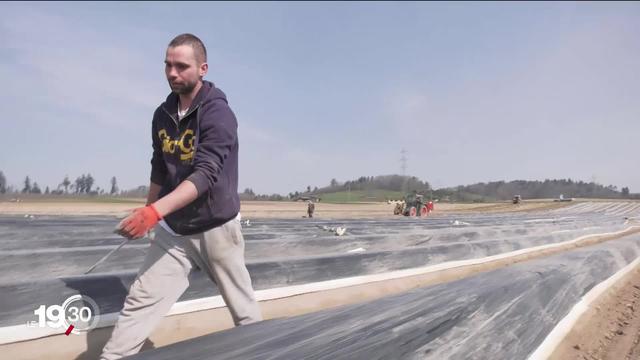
<point x="361" y="196"/>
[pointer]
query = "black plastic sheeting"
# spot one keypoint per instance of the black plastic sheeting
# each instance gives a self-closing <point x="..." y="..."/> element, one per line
<point x="502" y="314"/>
<point x="280" y="252"/>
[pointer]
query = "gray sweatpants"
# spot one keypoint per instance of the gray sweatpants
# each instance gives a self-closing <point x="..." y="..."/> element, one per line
<point x="163" y="277"/>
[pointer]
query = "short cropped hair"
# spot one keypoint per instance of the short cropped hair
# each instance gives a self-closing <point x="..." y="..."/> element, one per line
<point x="189" y="39"/>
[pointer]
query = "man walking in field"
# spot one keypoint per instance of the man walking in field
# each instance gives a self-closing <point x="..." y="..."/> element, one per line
<point x="192" y="205"/>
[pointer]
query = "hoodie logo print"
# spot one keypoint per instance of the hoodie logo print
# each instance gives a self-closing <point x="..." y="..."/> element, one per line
<point x="185" y="144"/>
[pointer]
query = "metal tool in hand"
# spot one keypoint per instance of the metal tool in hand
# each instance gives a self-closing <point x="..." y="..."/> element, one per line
<point x="106" y="256"/>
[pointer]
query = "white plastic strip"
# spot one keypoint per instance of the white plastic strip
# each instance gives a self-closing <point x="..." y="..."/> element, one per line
<point x="10" y="334"/>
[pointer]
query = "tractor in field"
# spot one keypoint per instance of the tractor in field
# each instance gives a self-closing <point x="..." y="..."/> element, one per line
<point x="414" y="205"/>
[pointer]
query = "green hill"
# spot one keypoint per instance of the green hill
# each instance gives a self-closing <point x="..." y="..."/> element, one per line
<point x="361" y="196"/>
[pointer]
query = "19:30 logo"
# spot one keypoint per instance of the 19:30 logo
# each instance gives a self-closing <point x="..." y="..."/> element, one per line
<point x="77" y="314"/>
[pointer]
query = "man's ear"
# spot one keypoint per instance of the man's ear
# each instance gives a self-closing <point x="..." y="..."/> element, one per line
<point x="204" y="68"/>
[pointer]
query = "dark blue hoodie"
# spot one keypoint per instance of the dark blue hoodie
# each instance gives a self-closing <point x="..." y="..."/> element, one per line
<point x="201" y="148"/>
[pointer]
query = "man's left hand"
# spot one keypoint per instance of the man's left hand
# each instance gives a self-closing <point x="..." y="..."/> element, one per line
<point x="139" y="222"/>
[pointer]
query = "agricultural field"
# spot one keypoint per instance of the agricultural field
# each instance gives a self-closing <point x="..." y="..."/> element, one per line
<point x="469" y="281"/>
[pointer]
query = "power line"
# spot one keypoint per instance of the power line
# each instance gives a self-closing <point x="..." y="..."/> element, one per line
<point x="403" y="162"/>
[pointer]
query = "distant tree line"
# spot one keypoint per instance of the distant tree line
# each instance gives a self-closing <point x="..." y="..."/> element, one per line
<point x="363" y="183"/>
<point x="501" y="190"/>
<point x="83" y="184"/>
<point x="249" y="194"/>
<point x="382" y="182"/>
<point x="480" y="192"/>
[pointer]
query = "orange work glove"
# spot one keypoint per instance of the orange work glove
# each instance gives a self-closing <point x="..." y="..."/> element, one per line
<point x="139" y="222"/>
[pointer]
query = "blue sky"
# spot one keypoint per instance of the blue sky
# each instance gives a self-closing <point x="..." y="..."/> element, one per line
<point x="474" y="92"/>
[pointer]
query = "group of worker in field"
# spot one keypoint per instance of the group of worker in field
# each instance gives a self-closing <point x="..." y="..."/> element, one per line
<point x="412" y="205"/>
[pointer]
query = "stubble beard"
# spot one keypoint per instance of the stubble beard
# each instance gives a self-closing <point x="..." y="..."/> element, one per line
<point x="183" y="89"/>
